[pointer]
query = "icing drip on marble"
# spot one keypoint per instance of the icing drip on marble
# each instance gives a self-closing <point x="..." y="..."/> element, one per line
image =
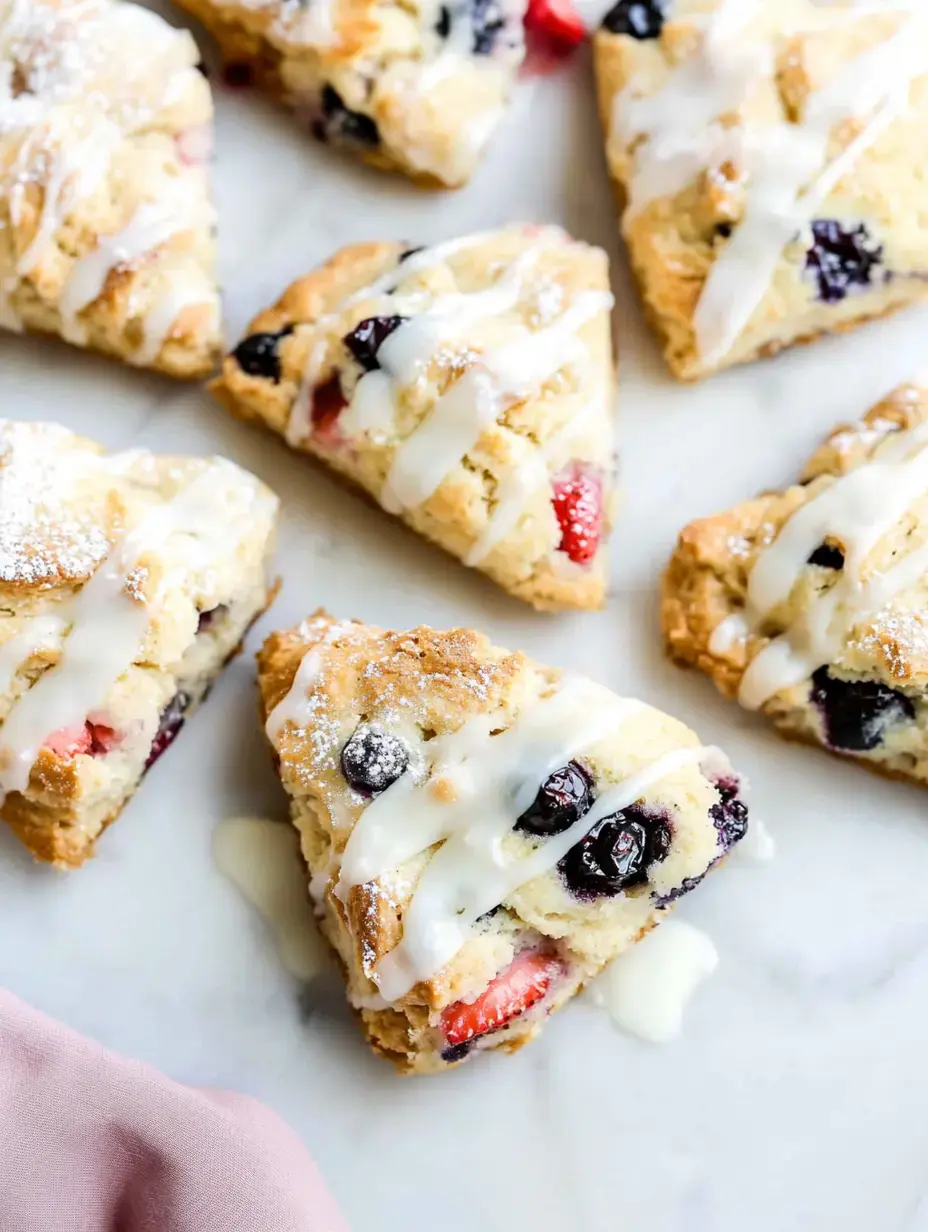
<point x="647" y="988"/>
<point x="788" y="168"/>
<point x="856" y="511"/>
<point x="262" y="859"/>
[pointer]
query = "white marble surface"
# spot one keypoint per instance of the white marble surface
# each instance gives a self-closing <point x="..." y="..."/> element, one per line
<point x="796" y="1097"/>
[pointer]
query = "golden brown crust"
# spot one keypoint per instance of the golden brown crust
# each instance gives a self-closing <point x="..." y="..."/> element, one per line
<point x="58" y="494"/>
<point x="105" y="219"/>
<point x="316" y="312"/>
<point x="378" y="58"/>
<point x="421" y="685"/>
<point x="707" y="579"/>
<point x="675" y="240"/>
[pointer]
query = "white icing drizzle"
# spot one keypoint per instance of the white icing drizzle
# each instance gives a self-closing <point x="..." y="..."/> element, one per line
<point x="467" y="799"/>
<point x="43" y="633"/>
<point x="646" y="989"/>
<point x="476" y="399"/>
<point x="150" y="226"/>
<point x="108" y="619"/>
<point x="856" y="510"/>
<point x="293" y="706"/>
<point x="299" y="426"/>
<point x="158" y="322"/>
<point x="262" y="859"/>
<point x="97" y="72"/>
<point x="787" y="168"/>
<point x="516" y="488"/>
<point x="485" y="783"/>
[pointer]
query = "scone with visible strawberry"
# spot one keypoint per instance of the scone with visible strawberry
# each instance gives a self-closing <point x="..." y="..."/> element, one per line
<point x="127" y="580"/>
<point x="483" y="833"/>
<point x="811" y="604"/>
<point x="106" y="225"/>
<point x="468" y="388"/>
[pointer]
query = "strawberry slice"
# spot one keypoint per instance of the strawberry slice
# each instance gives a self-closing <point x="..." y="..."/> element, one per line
<point x="578" y="506"/>
<point x="81" y="740"/>
<point x="557" y="23"/>
<point x="524" y="982"/>
<point x="328" y="404"/>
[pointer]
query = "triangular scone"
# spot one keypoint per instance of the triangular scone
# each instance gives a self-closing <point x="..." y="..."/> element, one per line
<point x="106" y="225"/>
<point x="762" y="156"/>
<point x="811" y="604"/>
<point x="417" y="87"/>
<point x="469" y="388"/>
<point x="126" y="582"/>
<point x="483" y="833"/>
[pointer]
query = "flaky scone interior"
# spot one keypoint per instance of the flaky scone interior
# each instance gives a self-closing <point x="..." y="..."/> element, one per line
<point x="762" y="157"/>
<point x="106" y="225"/>
<point x="483" y="833"/>
<point x="811" y="604"/>
<point x="468" y="388"/>
<point x="417" y="87"/>
<point x="127" y="581"/>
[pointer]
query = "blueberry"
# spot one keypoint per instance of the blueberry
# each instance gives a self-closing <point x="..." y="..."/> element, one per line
<point x="562" y="799"/>
<point x="340" y="124"/>
<point x="827" y="556"/>
<point x="730" y="815"/>
<point x="856" y="713"/>
<point x="172" y="720"/>
<point x="617" y="853"/>
<point x="486" y="19"/>
<point x="642" y="19"/>
<point x="258" y="354"/>
<point x="373" y="759"/>
<point x="366" y="339"/>
<point x="457" y="1052"/>
<point x="841" y="258"/>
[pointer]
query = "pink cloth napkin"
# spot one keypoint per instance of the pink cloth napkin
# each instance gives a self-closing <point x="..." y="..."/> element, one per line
<point x="91" y="1142"/>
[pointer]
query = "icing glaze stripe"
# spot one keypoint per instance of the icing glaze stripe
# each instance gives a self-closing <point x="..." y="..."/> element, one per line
<point x="857" y="510"/>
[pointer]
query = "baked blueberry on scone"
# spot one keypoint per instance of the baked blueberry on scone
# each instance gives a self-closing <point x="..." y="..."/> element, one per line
<point x="106" y="226"/>
<point x="127" y="580"/>
<point x="810" y="604"/>
<point x="416" y="87"/>
<point x="468" y="388"/>
<point x="483" y="833"/>
<point x="762" y="156"/>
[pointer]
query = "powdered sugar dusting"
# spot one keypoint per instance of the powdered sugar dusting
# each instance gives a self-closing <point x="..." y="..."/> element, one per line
<point x="898" y="638"/>
<point x="45" y="534"/>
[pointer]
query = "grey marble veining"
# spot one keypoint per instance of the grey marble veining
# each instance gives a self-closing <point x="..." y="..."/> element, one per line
<point x="795" y="1100"/>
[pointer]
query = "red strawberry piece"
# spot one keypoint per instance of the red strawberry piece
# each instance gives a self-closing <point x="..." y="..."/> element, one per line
<point x="81" y="740"/>
<point x="555" y="22"/>
<point x="578" y="506"/>
<point x="195" y="145"/>
<point x="328" y="403"/>
<point x="524" y="982"/>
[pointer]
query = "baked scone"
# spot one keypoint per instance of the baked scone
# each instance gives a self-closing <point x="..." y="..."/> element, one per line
<point x="468" y="388"/>
<point x="762" y="155"/>
<point x="127" y="580"/>
<point x="106" y="225"/>
<point x="416" y="87"/>
<point x="483" y="833"/>
<point x="811" y="604"/>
